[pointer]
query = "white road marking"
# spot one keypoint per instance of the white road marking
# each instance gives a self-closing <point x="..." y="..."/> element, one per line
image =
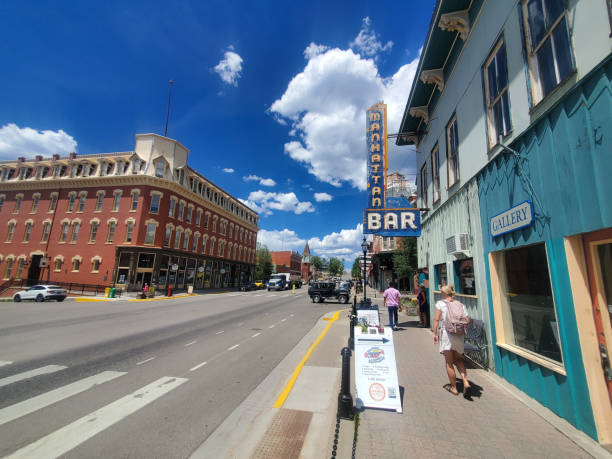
<point x="219" y="332"/>
<point x="290" y="315"/>
<point x="69" y="437"/>
<point x="20" y="409"/>
<point x="31" y="374"/>
<point x="4" y="362"/>
<point x="199" y="365"/>
<point x="189" y="344"/>
<point x="255" y="335"/>
<point x="233" y="347"/>
<point x="272" y="326"/>
<point x="282" y="320"/>
<point x="145" y="361"/>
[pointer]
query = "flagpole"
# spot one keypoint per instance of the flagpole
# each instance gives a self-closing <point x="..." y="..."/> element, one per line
<point x="168" y="113"/>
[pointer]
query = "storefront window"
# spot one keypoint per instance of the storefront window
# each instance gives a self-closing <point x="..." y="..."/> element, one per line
<point x="146" y="260"/>
<point x="527" y="296"/>
<point x="441" y="276"/>
<point x="464" y="276"/>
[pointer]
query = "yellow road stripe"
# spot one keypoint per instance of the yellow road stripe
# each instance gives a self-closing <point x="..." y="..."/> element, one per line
<point x="285" y="393"/>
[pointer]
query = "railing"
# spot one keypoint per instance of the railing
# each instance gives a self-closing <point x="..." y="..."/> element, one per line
<point x="71" y="287"/>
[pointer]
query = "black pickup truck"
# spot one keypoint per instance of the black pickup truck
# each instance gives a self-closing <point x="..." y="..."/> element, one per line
<point x="321" y="291"/>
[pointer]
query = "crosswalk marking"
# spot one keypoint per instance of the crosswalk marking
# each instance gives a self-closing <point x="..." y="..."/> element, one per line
<point x="20" y="409"/>
<point x="69" y="437"/>
<point x="30" y="374"/>
<point x="4" y="362"/>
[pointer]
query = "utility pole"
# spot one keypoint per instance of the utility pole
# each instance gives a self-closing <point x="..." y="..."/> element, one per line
<point x="168" y="113"/>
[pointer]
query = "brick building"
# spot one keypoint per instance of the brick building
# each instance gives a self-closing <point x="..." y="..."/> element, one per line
<point x="287" y="261"/>
<point x="125" y="218"/>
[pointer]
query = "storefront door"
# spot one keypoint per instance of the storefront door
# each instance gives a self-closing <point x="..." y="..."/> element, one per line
<point x="598" y="249"/>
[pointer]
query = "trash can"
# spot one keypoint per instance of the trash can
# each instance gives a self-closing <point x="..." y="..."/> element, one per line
<point x="111" y="294"/>
<point x="107" y="292"/>
<point x="169" y="293"/>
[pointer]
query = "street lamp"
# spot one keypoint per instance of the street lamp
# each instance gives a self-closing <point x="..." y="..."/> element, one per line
<point x="364" y="247"/>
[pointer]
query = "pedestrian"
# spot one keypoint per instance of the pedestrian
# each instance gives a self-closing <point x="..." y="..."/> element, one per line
<point x="145" y="289"/>
<point x="423" y="307"/>
<point x="454" y="319"/>
<point x="391" y="298"/>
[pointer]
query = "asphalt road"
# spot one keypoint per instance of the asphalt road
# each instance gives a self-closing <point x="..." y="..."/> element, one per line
<point x="138" y="378"/>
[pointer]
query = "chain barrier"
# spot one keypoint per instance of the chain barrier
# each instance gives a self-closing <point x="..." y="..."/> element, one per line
<point x="336" y="435"/>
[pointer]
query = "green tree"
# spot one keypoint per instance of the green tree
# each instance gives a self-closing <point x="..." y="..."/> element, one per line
<point x="336" y="266"/>
<point x="405" y="261"/>
<point x="263" y="268"/>
<point x="317" y="262"/>
<point x="356" y="270"/>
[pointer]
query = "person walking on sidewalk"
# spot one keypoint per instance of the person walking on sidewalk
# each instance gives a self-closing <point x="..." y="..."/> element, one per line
<point x="452" y="344"/>
<point x="391" y="298"/>
<point x="423" y="307"/>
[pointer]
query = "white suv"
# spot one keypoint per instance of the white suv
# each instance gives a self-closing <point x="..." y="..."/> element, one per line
<point x="41" y="293"/>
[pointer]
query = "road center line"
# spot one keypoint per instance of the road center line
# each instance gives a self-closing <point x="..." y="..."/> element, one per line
<point x="199" y="365"/>
<point x="282" y="320"/>
<point x="255" y="335"/>
<point x="219" y="332"/>
<point x="189" y="344"/>
<point x="145" y="361"/>
<point x="233" y="347"/>
<point x="272" y="326"/>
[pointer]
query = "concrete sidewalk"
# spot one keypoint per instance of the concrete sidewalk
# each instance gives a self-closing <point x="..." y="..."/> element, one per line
<point x="498" y="422"/>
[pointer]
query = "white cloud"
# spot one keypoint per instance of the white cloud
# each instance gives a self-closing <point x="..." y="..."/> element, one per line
<point x="265" y="202"/>
<point x="230" y="67"/>
<point x="325" y="105"/>
<point x="28" y="142"/>
<point x="281" y="240"/>
<point x="344" y="244"/>
<point x="229" y="170"/>
<point x="367" y="43"/>
<point x="320" y="197"/>
<point x="262" y="181"/>
<point x="313" y="50"/>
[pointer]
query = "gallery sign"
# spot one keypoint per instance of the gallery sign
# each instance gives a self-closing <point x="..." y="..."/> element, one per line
<point x="512" y="219"/>
<point x="376" y="384"/>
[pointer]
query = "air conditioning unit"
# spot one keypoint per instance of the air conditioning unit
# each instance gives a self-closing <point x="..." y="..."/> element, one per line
<point x="457" y="244"/>
<point x="42" y="263"/>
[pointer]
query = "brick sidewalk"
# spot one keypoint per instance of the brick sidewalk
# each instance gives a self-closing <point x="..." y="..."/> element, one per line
<point x="436" y="423"/>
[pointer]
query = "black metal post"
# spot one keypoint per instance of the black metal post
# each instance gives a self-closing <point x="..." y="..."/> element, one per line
<point x="345" y="399"/>
<point x="353" y="319"/>
<point x="364" y="275"/>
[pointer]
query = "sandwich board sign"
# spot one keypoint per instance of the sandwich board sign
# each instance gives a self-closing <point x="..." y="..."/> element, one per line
<point x="376" y="383"/>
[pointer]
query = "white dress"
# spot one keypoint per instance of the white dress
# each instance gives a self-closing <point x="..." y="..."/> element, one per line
<point x="448" y="342"/>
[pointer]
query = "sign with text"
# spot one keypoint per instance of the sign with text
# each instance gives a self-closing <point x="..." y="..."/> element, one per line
<point x="368" y="317"/>
<point x="392" y="222"/>
<point x="376" y="384"/>
<point x="512" y="219"/>
<point x="376" y="135"/>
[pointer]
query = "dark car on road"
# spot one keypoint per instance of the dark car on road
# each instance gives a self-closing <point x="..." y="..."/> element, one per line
<point x="321" y="291"/>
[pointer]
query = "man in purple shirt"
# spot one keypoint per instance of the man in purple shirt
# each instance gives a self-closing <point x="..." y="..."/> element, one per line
<point x="391" y="298"/>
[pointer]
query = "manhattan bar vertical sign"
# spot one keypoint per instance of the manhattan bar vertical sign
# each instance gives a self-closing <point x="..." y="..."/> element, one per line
<point x="376" y="133"/>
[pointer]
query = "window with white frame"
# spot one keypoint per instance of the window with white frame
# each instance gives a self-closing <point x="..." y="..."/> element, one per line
<point x="45" y="232"/>
<point x="116" y="201"/>
<point x="110" y="237"/>
<point x="95" y="265"/>
<point x="64" y="231"/>
<point x="20" y="265"/>
<point x="129" y="231"/>
<point x="181" y="210"/>
<point x="189" y="213"/>
<point x="548" y="45"/>
<point x="168" y="235"/>
<point x="18" y="201"/>
<point x="53" y="202"/>
<point x="452" y="152"/>
<point x="198" y="217"/>
<point x="423" y="187"/>
<point x="82" y="199"/>
<point x="58" y="262"/>
<point x="35" y="200"/>
<point x="2" y="198"/>
<point x="206" y="219"/>
<point x="28" y="232"/>
<point x="99" y="201"/>
<point x="496" y="94"/>
<point x="76" y="226"/>
<point x="150" y="234"/>
<point x="9" y="268"/>
<point x="171" y="207"/>
<point x="134" y="204"/>
<point x="177" y="238"/>
<point x="435" y="173"/>
<point x="186" y="240"/>
<point x="76" y="265"/>
<point x="196" y="238"/>
<point x="93" y="232"/>
<point x="155" y="200"/>
<point x="212" y="246"/>
<point x="160" y="166"/>
<point x="71" y="201"/>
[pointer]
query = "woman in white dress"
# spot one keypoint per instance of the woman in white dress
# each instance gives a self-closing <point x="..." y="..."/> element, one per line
<point x="451" y="346"/>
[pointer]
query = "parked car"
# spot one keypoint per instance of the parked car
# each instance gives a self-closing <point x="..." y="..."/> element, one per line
<point x="260" y="284"/>
<point x="320" y="291"/>
<point x="248" y="287"/>
<point x="41" y="293"/>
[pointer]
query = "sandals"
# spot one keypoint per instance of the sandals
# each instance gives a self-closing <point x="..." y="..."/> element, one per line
<point x="449" y="388"/>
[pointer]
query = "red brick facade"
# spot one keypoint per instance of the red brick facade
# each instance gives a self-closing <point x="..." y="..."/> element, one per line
<point x="73" y="254"/>
<point x="287" y="260"/>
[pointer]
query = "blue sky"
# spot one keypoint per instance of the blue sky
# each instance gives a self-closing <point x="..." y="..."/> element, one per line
<point x="269" y="97"/>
